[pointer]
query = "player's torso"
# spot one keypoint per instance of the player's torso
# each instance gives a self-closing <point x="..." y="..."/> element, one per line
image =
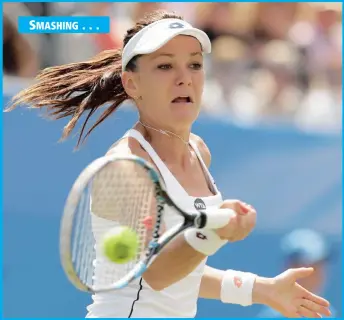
<point x="178" y="300"/>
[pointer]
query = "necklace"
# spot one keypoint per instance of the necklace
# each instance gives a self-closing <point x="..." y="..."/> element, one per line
<point x="165" y="132"/>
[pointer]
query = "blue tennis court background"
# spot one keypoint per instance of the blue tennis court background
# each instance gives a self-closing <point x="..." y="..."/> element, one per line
<point x="293" y="180"/>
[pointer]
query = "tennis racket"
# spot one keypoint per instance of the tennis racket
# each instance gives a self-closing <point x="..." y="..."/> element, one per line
<point x="120" y="191"/>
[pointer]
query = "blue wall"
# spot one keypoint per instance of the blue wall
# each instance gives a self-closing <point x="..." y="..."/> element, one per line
<point x="293" y="179"/>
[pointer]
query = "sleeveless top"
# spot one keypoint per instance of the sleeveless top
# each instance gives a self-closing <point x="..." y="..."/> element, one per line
<point x="139" y="300"/>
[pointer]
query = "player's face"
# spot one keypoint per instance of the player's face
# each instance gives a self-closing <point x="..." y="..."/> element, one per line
<point x="170" y="82"/>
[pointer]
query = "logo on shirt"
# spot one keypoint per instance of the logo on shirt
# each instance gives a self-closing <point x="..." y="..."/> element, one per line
<point x="199" y="204"/>
<point x="176" y="25"/>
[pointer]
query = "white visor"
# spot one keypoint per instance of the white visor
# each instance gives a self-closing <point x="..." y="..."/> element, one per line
<point x="157" y="34"/>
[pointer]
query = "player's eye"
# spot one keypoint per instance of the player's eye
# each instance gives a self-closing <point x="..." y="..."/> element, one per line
<point x="196" y="66"/>
<point x="165" y="66"/>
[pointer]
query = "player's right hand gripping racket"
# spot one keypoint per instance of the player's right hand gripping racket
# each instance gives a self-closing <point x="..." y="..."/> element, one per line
<point x="125" y="191"/>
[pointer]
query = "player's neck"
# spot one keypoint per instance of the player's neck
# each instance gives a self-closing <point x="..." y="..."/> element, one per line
<point x="172" y="147"/>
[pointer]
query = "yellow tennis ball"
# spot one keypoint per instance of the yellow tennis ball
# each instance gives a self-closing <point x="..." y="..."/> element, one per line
<point x="120" y="245"/>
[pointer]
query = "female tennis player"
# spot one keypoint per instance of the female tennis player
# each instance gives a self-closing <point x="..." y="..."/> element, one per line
<point x="161" y="70"/>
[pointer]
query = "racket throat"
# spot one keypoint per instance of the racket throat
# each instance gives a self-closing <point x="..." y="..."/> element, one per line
<point x="200" y="220"/>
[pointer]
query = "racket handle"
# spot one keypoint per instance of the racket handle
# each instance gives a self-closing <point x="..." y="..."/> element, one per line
<point x="218" y="218"/>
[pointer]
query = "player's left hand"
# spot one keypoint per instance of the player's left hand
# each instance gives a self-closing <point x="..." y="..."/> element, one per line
<point x="286" y="296"/>
<point x="240" y="225"/>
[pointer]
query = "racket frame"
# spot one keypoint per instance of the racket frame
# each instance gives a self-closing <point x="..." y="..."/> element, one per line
<point x="197" y="220"/>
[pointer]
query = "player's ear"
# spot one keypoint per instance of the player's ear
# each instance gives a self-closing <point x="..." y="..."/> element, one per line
<point x="130" y="82"/>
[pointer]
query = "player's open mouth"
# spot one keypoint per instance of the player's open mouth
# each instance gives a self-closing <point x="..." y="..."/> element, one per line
<point x="182" y="99"/>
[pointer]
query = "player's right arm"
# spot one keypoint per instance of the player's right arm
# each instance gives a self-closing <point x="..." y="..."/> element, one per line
<point x="179" y="258"/>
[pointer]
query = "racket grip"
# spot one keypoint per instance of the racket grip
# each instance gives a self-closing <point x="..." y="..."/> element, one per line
<point x="218" y="218"/>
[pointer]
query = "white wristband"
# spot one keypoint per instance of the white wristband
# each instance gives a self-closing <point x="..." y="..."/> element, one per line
<point x="237" y="287"/>
<point x="205" y="241"/>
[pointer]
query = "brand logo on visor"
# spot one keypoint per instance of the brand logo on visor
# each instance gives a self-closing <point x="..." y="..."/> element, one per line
<point x="176" y="25"/>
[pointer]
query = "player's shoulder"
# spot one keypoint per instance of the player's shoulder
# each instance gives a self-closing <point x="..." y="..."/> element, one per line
<point x="202" y="147"/>
<point x="128" y="146"/>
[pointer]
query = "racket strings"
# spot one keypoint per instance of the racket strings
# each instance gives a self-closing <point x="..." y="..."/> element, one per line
<point x="121" y="194"/>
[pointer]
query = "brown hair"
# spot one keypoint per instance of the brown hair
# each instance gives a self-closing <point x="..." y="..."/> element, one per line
<point x="73" y="89"/>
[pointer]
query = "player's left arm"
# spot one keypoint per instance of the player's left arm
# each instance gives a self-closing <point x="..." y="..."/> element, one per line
<point x="281" y="293"/>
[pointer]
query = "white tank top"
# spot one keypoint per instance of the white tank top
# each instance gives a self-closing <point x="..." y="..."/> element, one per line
<point x="139" y="300"/>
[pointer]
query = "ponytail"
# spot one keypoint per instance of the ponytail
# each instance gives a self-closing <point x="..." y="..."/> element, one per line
<point x="75" y="89"/>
